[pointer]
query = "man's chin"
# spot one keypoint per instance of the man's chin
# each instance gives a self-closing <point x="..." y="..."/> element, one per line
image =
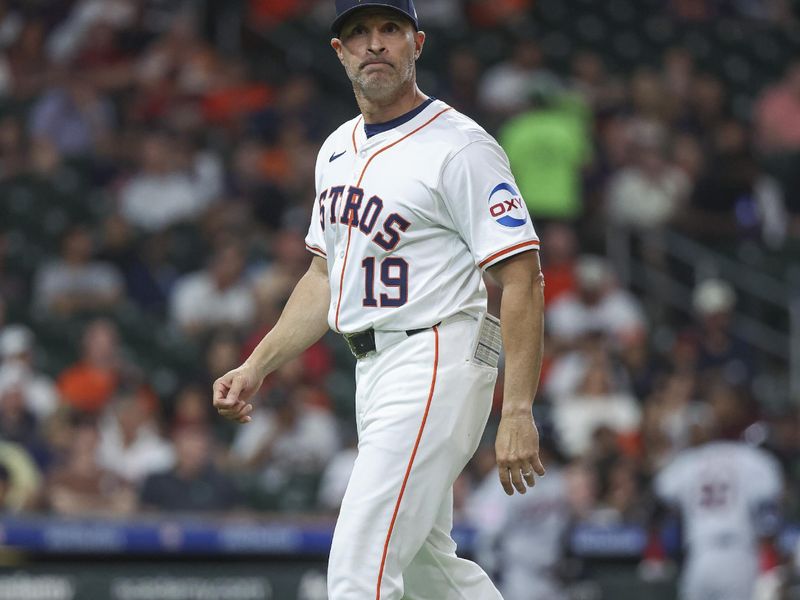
<point x="377" y="75"/>
<point x="378" y="84"/>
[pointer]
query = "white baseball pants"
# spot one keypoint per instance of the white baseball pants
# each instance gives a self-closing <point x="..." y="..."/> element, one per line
<point x="421" y="407"/>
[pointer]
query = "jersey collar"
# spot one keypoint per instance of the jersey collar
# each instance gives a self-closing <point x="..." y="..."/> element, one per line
<point x="376" y="128"/>
<point x="399" y="126"/>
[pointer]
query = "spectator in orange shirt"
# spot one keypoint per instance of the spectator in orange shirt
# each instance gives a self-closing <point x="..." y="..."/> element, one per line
<point x="234" y="95"/>
<point x="89" y="384"/>
<point x="488" y="15"/>
<point x="269" y="13"/>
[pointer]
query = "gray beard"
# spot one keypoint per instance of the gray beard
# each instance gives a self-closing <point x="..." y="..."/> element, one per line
<point x="381" y="91"/>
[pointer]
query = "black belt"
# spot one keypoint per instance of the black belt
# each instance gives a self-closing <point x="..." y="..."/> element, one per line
<point x="363" y="342"/>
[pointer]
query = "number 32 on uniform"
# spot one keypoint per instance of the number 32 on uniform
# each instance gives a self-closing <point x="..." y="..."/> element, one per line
<point x="393" y="276"/>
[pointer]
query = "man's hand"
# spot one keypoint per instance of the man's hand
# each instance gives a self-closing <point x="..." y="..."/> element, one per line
<point x="233" y="391"/>
<point x="302" y="322"/>
<point x="517" y="450"/>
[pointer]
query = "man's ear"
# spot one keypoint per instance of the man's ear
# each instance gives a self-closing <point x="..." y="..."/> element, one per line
<point x="419" y="42"/>
<point x="336" y="44"/>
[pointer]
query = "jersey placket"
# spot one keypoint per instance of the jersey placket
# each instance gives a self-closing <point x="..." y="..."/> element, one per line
<point x="342" y="243"/>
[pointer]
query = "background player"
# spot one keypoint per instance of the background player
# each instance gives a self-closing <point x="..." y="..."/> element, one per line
<point x="414" y="201"/>
<point x="523" y="539"/>
<point x="728" y="494"/>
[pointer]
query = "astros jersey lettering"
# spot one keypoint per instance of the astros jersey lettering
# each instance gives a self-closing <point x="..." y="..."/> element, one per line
<point x="404" y="218"/>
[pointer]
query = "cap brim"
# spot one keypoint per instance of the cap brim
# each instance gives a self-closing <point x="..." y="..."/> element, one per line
<point x="336" y="26"/>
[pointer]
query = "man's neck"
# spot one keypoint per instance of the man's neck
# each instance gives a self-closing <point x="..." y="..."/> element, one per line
<point x="381" y="111"/>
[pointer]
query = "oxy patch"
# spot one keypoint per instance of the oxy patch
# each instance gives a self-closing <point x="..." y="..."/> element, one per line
<point x="506" y="206"/>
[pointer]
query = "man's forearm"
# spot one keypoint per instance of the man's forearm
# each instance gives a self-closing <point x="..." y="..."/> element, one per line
<point x="302" y="322"/>
<point x="522" y="323"/>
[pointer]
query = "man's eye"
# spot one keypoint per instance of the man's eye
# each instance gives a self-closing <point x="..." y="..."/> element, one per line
<point x="392" y="27"/>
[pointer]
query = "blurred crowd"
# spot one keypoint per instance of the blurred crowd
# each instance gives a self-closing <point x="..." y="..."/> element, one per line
<point x="154" y="196"/>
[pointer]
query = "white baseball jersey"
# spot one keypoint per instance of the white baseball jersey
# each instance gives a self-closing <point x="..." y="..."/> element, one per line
<point x="719" y="488"/>
<point x="404" y="218"/>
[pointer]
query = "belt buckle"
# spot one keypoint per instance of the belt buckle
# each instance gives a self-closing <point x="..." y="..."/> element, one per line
<point x="360" y="343"/>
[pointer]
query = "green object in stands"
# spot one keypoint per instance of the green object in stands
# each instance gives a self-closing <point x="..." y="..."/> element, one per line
<point x="547" y="148"/>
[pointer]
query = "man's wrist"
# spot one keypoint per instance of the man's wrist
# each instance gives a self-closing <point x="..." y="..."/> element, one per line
<point x="256" y="366"/>
<point x="516" y="409"/>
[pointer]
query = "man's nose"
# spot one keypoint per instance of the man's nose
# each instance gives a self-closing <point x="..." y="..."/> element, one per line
<point x="376" y="44"/>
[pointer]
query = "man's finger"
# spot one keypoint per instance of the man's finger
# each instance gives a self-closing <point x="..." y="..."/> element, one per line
<point x="227" y="413"/>
<point x="527" y="474"/>
<point x="538" y="466"/>
<point x="245" y="410"/>
<point x="505" y="480"/>
<point x="516" y="479"/>
<point x="231" y="412"/>
<point x="220" y="389"/>
<point x="236" y="389"/>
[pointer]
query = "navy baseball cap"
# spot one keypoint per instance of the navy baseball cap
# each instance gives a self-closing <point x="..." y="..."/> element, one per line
<point x="345" y="8"/>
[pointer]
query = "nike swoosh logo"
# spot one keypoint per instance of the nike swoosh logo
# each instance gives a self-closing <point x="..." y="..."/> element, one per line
<point x="334" y="156"/>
